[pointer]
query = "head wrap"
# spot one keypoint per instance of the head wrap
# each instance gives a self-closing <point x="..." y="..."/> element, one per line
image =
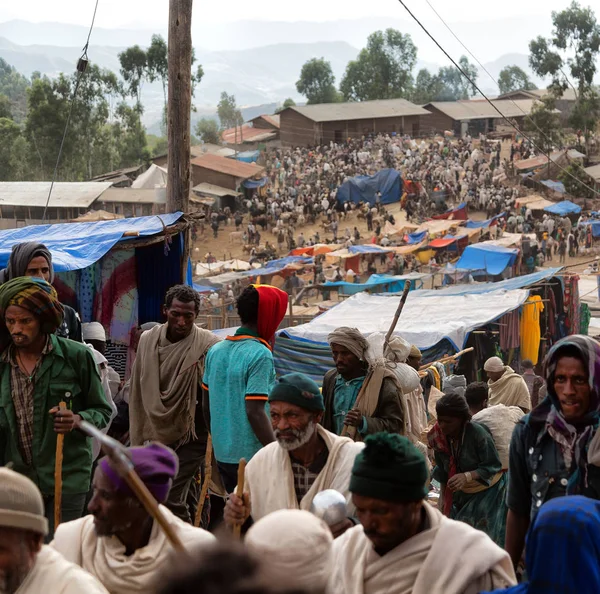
<point x="21" y="255"/>
<point x="298" y="389"/>
<point x="547" y="416"/>
<point x="415" y="352"/>
<point x="351" y="339"/>
<point x="453" y="405"/>
<point x="494" y="364"/>
<point x="155" y="464"/>
<point x="565" y="533"/>
<point x="390" y="468"/>
<point x="34" y="295"/>
<point x="297" y="547"/>
<point x="272" y="305"/>
<point x="21" y="503"/>
<point x="93" y="331"/>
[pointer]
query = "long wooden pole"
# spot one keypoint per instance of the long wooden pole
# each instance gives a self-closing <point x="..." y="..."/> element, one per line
<point x="205" y="482"/>
<point x="237" y="529"/>
<point x="179" y="104"/>
<point x="58" y="464"/>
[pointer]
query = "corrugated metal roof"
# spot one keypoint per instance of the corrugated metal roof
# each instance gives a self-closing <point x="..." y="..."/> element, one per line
<point x="205" y="189"/>
<point x="568" y="94"/>
<point x="64" y="194"/>
<point x="135" y="195"/>
<point x="594" y="172"/>
<point x="211" y="149"/>
<point x="246" y="133"/>
<point x="274" y="119"/>
<point x="359" y="110"/>
<point x="228" y="166"/>
<point x="481" y="109"/>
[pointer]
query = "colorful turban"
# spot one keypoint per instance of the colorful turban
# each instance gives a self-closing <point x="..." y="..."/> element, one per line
<point x="351" y="339"/>
<point x="272" y="305"/>
<point x="155" y="464"/>
<point x="34" y="295"/>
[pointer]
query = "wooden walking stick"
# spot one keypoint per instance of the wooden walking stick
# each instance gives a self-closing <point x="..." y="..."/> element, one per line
<point x="237" y="529"/>
<point x="58" y="464"/>
<point x="124" y="467"/>
<point x="205" y="482"/>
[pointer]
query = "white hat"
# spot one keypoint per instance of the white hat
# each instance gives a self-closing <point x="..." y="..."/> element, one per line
<point x="93" y="331"/>
<point x="494" y="364"/>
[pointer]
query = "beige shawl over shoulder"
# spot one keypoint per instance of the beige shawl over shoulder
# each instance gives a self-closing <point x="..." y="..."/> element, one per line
<point x="510" y="390"/>
<point x="450" y="558"/>
<point x="270" y="480"/>
<point x="164" y="386"/>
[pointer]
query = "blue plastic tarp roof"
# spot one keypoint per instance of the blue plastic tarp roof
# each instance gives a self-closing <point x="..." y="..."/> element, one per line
<point x="412" y="238"/>
<point x="367" y="249"/>
<point x="78" y="245"/>
<point x="491" y="258"/>
<point x="364" y="188"/>
<point x="481" y="224"/>
<point x="254" y="183"/>
<point x="395" y="283"/>
<point x="518" y="282"/>
<point x="555" y="185"/>
<point x="203" y="288"/>
<point x="595" y="227"/>
<point x="563" y="208"/>
<point x="248" y="156"/>
<point x="275" y="266"/>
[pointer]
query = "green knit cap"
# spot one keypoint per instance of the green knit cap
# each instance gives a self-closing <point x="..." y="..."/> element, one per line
<point x="298" y="389"/>
<point x="390" y="468"/>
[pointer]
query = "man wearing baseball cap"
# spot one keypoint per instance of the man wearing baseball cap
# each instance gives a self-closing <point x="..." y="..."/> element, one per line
<point x="27" y="566"/>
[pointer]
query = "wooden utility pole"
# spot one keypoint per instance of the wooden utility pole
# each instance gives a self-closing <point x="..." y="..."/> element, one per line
<point x="179" y="105"/>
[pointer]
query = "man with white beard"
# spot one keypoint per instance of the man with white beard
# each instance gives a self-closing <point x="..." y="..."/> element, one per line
<point x="304" y="460"/>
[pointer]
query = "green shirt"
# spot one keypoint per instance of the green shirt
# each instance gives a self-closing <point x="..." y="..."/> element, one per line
<point x="67" y="373"/>
<point x="343" y="401"/>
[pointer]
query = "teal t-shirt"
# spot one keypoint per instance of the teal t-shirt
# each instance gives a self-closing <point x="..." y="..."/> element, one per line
<point x="236" y="367"/>
<point x="344" y="397"/>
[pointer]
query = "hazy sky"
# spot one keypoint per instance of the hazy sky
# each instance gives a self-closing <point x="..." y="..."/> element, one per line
<point x="144" y="13"/>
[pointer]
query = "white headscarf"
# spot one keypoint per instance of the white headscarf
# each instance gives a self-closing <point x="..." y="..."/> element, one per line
<point x="295" y="547"/>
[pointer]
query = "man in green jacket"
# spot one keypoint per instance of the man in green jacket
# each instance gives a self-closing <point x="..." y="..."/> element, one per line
<point x="38" y="370"/>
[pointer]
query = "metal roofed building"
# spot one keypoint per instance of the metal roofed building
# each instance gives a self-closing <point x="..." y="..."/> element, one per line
<point x="133" y="202"/>
<point x="476" y="115"/>
<point x="219" y="171"/>
<point x="310" y="125"/>
<point x="23" y="203"/>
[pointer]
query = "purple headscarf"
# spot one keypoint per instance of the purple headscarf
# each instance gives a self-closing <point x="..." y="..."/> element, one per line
<point x="155" y="464"/>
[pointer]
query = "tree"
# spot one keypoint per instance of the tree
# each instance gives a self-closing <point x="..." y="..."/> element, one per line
<point x="573" y="47"/>
<point x="543" y="125"/>
<point x="382" y="70"/>
<point x="427" y="87"/>
<point x="453" y="85"/>
<point x="317" y="82"/>
<point x="207" y="130"/>
<point x="289" y="102"/>
<point x="157" y="63"/>
<point x="9" y="132"/>
<point x="574" y="178"/>
<point x="5" y="107"/>
<point x="14" y="86"/>
<point x="134" y="69"/>
<point x="228" y="112"/>
<point x="514" y="78"/>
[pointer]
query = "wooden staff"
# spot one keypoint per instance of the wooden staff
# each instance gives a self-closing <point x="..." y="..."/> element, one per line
<point x="58" y="464"/>
<point x="237" y="529"/>
<point x="124" y="467"/>
<point x="206" y="482"/>
<point x="446" y="359"/>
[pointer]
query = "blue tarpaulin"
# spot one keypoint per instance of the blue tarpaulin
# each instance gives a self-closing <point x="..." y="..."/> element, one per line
<point x="563" y="208"/>
<point x="78" y="245"/>
<point x="251" y="184"/>
<point x="364" y="188"/>
<point x="248" y="156"/>
<point x="491" y="258"/>
<point x="483" y="224"/>
<point x="367" y="249"/>
<point x="595" y="227"/>
<point x="203" y="288"/>
<point x="555" y="185"/>
<point x="412" y="238"/>
<point x="395" y="284"/>
<point x="275" y="266"/>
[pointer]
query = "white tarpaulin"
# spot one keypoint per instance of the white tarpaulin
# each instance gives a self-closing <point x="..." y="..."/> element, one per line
<point x="424" y="322"/>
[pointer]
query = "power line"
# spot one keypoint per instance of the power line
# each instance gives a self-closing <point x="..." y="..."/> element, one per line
<point x="81" y="68"/>
<point x="474" y="85"/>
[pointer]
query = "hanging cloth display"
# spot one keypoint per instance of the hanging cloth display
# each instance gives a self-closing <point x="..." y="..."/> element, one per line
<point x="530" y="328"/>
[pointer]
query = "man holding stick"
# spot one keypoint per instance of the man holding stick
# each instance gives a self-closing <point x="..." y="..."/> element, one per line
<point x="119" y="543"/>
<point x="38" y="370"/>
<point x="356" y="398"/>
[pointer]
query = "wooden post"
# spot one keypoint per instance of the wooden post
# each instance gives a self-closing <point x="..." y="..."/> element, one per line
<point x="179" y="112"/>
<point x="179" y="104"/>
<point x="290" y="300"/>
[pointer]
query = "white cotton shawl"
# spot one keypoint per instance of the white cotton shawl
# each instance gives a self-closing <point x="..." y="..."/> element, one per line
<point x="270" y="480"/>
<point x="52" y="573"/>
<point x="450" y="558"/>
<point x="104" y="557"/>
<point x="510" y="390"/>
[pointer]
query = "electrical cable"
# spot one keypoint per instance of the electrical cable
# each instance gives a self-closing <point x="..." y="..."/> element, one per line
<point x="474" y="85"/>
<point x="81" y="69"/>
